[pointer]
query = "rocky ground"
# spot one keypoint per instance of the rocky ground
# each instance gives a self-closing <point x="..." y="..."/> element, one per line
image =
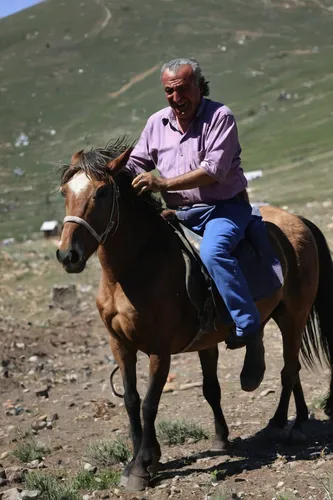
<point x="54" y="384"/>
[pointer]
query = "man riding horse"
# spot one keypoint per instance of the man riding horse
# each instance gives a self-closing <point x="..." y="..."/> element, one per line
<point x="193" y="143"/>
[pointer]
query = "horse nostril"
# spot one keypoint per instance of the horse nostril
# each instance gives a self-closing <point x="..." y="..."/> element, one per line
<point x="60" y="256"/>
<point x="73" y="256"/>
<point x="66" y="257"/>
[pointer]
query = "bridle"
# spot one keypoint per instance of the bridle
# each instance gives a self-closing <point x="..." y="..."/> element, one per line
<point x="112" y="225"/>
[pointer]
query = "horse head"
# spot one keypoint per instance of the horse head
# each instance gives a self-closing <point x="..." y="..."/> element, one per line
<point x="92" y="202"/>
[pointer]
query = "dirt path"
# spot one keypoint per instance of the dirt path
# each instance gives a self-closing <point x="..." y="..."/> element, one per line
<point x="103" y="24"/>
<point x="136" y="79"/>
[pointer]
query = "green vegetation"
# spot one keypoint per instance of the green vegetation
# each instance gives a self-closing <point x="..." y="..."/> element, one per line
<point x="319" y="402"/>
<point x="106" y="453"/>
<point x="52" y="488"/>
<point x="85" y="480"/>
<point x="285" y="496"/>
<point x="75" y="75"/>
<point x="29" y="448"/>
<point x="178" y="432"/>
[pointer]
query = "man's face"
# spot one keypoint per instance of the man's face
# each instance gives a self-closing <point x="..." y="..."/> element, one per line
<point x="182" y="92"/>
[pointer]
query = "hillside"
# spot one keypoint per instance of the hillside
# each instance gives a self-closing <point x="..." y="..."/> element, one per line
<point x="75" y="74"/>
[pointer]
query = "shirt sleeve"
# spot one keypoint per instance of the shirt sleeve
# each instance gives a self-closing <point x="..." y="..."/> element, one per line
<point x="221" y="147"/>
<point x="140" y="159"/>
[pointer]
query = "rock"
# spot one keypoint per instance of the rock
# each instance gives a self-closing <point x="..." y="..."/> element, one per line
<point x="279" y="485"/>
<point x="266" y="392"/>
<point x="3" y="482"/>
<point x="64" y="297"/>
<point x="4" y="455"/>
<point x="174" y="491"/>
<point x="36" y="464"/>
<point x="14" y="474"/>
<point x="53" y="418"/>
<point x="42" y="392"/>
<point x="13" y="411"/>
<point x="169" y="387"/>
<point x="191" y="385"/>
<point x="42" y="418"/>
<point x="33" y="359"/>
<point x="90" y="468"/>
<point x="103" y="408"/>
<point x="38" y="426"/>
<point x="12" y="494"/>
<point x="31" y="494"/>
<point x="71" y="377"/>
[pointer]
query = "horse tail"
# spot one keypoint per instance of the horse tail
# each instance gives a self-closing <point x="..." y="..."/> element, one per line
<point x="318" y="338"/>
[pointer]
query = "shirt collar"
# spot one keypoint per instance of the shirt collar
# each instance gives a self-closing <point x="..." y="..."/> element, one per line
<point x="169" y="116"/>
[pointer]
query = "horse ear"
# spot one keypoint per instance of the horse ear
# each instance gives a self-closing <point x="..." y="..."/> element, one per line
<point x="76" y="157"/>
<point x="118" y="163"/>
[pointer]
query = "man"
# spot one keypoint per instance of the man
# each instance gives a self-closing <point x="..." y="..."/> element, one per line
<point x="194" y="145"/>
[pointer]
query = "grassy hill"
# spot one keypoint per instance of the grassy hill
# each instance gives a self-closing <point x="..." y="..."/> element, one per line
<point x="76" y="73"/>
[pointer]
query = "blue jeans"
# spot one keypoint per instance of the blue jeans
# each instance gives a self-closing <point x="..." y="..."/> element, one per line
<point x="222" y="227"/>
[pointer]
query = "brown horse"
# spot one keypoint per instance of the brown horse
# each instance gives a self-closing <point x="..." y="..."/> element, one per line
<point x="143" y="301"/>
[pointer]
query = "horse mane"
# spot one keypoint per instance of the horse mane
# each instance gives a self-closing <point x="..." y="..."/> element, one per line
<point x="94" y="164"/>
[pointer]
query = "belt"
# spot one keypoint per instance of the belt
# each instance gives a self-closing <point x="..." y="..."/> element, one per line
<point x="241" y="196"/>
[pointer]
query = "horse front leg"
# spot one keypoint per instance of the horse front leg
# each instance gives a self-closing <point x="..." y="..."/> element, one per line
<point x="212" y="392"/>
<point x="150" y="451"/>
<point x="126" y="361"/>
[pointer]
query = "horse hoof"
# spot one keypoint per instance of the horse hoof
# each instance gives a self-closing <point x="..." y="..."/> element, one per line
<point x="275" y="433"/>
<point x="123" y="481"/>
<point x="296" y="436"/>
<point x="153" y="469"/>
<point x="219" y="446"/>
<point x="136" y="483"/>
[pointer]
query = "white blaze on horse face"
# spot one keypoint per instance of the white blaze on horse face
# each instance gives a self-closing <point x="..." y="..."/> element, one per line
<point x="79" y="183"/>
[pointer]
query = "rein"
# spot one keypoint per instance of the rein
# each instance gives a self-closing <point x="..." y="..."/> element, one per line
<point x="112" y="225"/>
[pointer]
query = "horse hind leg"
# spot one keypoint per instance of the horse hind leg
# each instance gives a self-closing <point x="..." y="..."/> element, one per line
<point x="212" y="393"/>
<point x="302" y="414"/>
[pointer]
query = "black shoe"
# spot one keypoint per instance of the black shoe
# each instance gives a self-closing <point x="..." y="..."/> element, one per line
<point x="236" y="342"/>
<point x="254" y="363"/>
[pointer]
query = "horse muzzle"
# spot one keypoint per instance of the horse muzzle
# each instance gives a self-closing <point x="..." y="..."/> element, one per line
<point x="71" y="259"/>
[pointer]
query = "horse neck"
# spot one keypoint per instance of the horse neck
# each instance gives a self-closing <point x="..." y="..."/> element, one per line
<point x="137" y="225"/>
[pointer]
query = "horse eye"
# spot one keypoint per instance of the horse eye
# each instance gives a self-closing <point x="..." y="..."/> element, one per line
<point x="63" y="194"/>
<point x="101" y="192"/>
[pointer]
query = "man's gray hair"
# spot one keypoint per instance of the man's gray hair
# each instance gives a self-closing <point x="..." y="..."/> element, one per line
<point x="175" y="64"/>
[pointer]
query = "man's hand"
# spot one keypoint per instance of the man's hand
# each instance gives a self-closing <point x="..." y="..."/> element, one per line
<point x="148" y="182"/>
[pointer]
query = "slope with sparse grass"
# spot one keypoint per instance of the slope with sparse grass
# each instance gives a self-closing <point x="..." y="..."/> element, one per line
<point x="76" y="74"/>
